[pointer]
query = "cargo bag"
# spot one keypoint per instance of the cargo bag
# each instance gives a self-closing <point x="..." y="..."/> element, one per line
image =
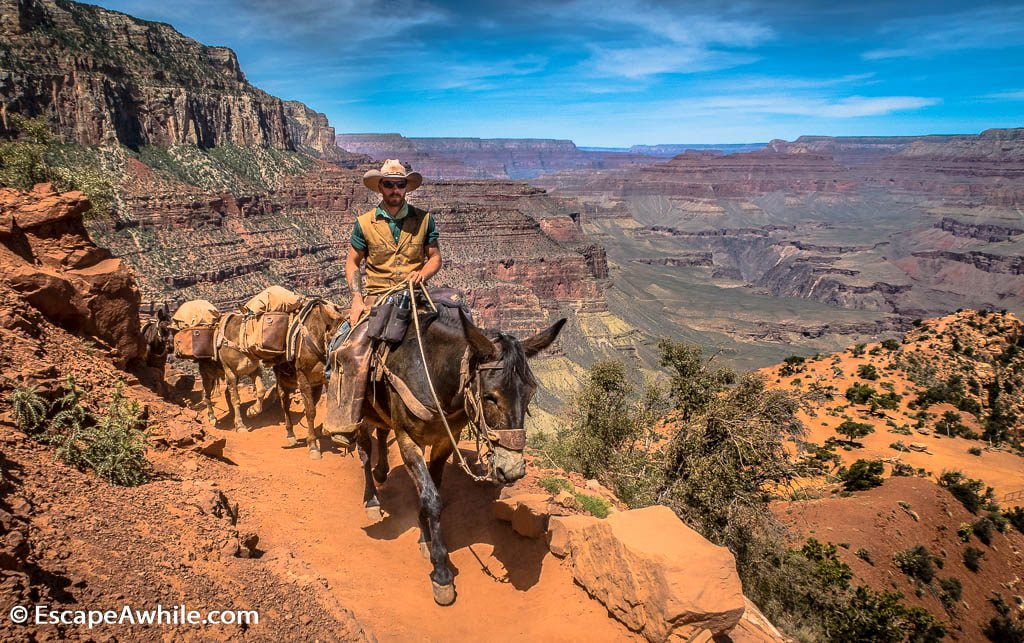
<point x="274" y="332"/>
<point x="194" y="343"/>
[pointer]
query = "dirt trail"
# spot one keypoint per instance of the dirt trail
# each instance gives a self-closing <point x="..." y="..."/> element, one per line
<point x="313" y="509"/>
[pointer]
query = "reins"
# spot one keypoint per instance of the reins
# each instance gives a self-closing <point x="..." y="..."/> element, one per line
<point x="467" y="394"/>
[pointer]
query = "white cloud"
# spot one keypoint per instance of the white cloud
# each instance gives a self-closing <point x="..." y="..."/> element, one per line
<point x="675" y="41"/>
<point x="823" y="107"/>
<point x="984" y="28"/>
<point x="1014" y="96"/>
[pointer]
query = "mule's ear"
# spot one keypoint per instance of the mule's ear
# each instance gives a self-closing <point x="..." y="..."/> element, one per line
<point x="543" y="339"/>
<point x="162" y="315"/>
<point x="482" y="347"/>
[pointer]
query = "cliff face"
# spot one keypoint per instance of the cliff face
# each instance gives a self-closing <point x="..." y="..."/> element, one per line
<point x="891" y="225"/>
<point x="498" y="158"/>
<point x="103" y="77"/>
<point x="313" y="135"/>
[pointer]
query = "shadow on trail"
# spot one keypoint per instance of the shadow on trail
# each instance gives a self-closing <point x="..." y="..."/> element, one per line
<point x="468" y="520"/>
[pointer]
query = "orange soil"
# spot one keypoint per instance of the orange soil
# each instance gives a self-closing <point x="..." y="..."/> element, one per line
<point x="313" y="510"/>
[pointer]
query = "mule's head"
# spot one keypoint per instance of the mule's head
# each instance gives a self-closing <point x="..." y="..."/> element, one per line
<point x="158" y="334"/>
<point x="506" y="386"/>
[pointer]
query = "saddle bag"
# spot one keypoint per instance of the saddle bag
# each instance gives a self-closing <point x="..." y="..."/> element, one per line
<point x="194" y="343"/>
<point x="389" y="320"/>
<point x="377" y="322"/>
<point x="273" y="332"/>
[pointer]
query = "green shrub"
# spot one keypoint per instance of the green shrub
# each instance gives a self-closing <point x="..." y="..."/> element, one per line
<point x="1016" y="518"/>
<point x="983" y="528"/>
<point x="889" y="401"/>
<point x="901" y="469"/>
<point x="966" y="490"/>
<point x="113" y="443"/>
<point x="952" y="590"/>
<point x="972" y="558"/>
<point x="864" y="555"/>
<point x="867" y="371"/>
<point x="554" y="485"/>
<point x="858" y="350"/>
<point x="859" y="393"/>
<point x="964" y="531"/>
<point x="891" y="344"/>
<point x="29" y="409"/>
<point x="1003" y="626"/>
<point x="592" y="504"/>
<point x="974" y="450"/>
<point x="862" y="475"/>
<point x="792" y="365"/>
<point x="917" y="563"/>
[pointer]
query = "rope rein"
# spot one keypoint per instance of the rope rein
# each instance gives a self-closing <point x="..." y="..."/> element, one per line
<point x="467" y="394"/>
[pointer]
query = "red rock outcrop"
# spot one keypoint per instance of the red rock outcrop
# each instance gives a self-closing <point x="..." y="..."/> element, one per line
<point x="47" y="256"/>
<point x="643" y="565"/>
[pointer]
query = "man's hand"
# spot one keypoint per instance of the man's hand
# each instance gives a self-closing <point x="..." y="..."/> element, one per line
<point x="356" y="311"/>
<point x="417" y="277"/>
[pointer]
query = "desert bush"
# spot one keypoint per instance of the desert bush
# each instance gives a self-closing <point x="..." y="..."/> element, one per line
<point x="792" y="365"/>
<point x="917" y="563"/>
<point x="112" y="443"/>
<point x="964" y="531"/>
<point x="858" y="350"/>
<point x="967" y="490"/>
<point x="974" y="450"/>
<point x="952" y="590"/>
<point x="1016" y="518"/>
<point x="867" y="371"/>
<point x="972" y="558"/>
<point x="862" y="475"/>
<point x="891" y="344"/>
<point x="983" y="528"/>
<point x="859" y="393"/>
<point x="901" y="469"/>
<point x="554" y="485"/>
<point x="1004" y="627"/>
<point x="29" y="409"/>
<point x="592" y="504"/>
<point x="864" y="555"/>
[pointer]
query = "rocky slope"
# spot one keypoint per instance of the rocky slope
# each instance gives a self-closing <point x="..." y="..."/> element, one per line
<point x="104" y="77"/>
<point x="944" y="398"/>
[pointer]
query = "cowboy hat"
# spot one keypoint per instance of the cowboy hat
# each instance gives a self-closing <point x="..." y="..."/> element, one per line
<point x="392" y="169"/>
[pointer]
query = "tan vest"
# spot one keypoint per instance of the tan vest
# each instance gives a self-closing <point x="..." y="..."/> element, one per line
<point x="389" y="263"/>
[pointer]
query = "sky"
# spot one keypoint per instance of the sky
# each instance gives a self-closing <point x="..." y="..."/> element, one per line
<point x="625" y="72"/>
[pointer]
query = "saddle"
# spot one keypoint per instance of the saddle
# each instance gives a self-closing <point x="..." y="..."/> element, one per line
<point x="194" y="322"/>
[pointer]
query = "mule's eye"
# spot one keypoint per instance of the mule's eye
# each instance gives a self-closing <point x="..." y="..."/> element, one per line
<point x="490" y="398"/>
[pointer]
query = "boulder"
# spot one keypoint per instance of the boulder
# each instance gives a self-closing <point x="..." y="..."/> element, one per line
<point x="755" y="627"/>
<point x="652" y="572"/>
<point x="528" y="513"/>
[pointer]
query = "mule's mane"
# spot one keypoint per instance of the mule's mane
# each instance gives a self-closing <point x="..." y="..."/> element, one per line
<point x="513" y="357"/>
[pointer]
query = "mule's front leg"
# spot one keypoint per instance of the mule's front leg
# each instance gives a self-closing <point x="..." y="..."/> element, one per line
<point x="231" y="393"/>
<point x="383" y="467"/>
<point x="430" y="511"/>
<point x="261" y="393"/>
<point x="371" y="502"/>
<point x="209" y="378"/>
<point x="284" y="397"/>
<point x="309" y="408"/>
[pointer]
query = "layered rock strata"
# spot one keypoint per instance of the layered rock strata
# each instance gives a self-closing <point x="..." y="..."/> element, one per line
<point x="103" y="77"/>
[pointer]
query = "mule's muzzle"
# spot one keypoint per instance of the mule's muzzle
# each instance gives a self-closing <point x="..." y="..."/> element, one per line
<point x="508" y="462"/>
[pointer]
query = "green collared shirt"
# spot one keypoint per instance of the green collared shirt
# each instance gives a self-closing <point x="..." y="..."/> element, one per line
<point x="358" y="241"/>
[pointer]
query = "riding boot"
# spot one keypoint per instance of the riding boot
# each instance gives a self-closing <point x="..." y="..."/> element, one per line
<point x="347" y="392"/>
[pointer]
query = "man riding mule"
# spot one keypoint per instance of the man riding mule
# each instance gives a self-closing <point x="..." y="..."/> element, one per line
<point x="399" y="243"/>
<point x="434" y="382"/>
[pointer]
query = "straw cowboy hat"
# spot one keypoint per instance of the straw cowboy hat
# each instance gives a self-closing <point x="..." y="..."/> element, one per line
<point x="392" y="169"/>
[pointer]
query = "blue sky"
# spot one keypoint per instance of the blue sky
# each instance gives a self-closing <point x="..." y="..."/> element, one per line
<point x="625" y="72"/>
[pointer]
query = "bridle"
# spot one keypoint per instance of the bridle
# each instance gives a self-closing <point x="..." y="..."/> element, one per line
<point x="511" y="439"/>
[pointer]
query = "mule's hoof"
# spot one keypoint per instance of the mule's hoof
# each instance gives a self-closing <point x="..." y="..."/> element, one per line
<point x="443" y="594"/>
<point x="315" y="455"/>
<point x="380" y="476"/>
<point x="242" y="429"/>
<point x="374" y="513"/>
<point x="291" y="442"/>
<point x="251" y="413"/>
<point x="425" y="550"/>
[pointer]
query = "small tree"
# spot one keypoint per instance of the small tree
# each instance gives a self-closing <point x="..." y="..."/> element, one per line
<point x="854" y="430"/>
<point x="862" y="475"/>
<point x="859" y="393"/>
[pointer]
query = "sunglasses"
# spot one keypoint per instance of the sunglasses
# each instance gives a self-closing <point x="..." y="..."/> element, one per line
<point x="390" y="185"/>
